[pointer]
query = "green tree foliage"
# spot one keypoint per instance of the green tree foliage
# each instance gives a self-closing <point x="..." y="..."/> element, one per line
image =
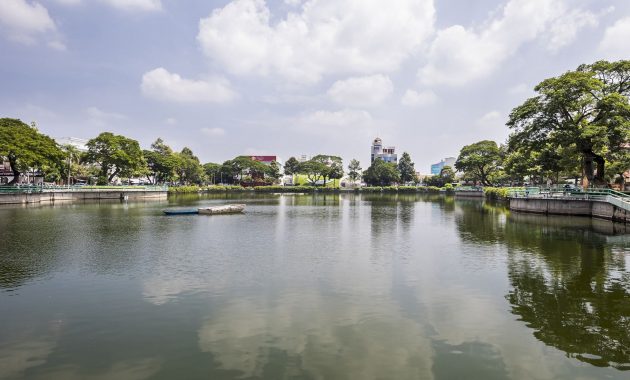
<point x="71" y="166"/>
<point x="161" y="162"/>
<point x="323" y="167"/>
<point x="313" y="170"/>
<point x="25" y="148"/>
<point x="381" y="173"/>
<point x="273" y="171"/>
<point x="479" y="161"/>
<point x="406" y="168"/>
<point x="446" y="176"/>
<point x="116" y="155"/>
<point x="585" y="110"/>
<point x="189" y="168"/>
<point x="212" y="171"/>
<point x="244" y="169"/>
<point x="354" y="170"/>
<point x="291" y="166"/>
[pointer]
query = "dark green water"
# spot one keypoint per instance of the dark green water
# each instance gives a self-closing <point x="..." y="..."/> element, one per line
<point x="311" y="287"/>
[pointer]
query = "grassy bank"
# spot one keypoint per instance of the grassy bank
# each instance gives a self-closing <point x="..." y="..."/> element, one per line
<point x="308" y="189"/>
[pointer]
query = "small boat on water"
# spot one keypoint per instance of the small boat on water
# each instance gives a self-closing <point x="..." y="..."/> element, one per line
<point x="180" y="211"/>
<point x="225" y="209"/>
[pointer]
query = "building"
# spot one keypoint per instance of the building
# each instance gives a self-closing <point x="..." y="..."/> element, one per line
<point x="267" y="160"/>
<point x="436" y="169"/>
<point x="386" y="154"/>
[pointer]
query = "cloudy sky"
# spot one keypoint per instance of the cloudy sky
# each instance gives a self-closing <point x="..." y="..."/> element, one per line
<point x="291" y="77"/>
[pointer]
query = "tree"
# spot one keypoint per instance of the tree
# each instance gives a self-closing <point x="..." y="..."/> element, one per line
<point x="354" y="170"/>
<point x="212" y="171"/>
<point x="586" y="109"/>
<point x="447" y="175"/>
<point x="25" y="148"/>
<point x="381" y="173"/>
<point x="406" y="168"/>
<point x="188" y="167"/>
<point x="333" y="164"/>
<point x="115" y="154"/>
<point x="291" y="166"/>
<point x="273" y="171"/>
<point x="313" y="170"/>
<point x="161" y="162"/>
<point x="478" y="161"/>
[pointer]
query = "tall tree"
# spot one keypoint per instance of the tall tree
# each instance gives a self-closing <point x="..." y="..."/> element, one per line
<point x="189" y="168"/>
<point x="479" y="161"/>
<point x="115" y="154"/>
<point x="273" y="171"/>
<point x="313" y="170"/>
<point x="354" y="170"/>
<point x="406" y="168"/>
<point x="381" y="173"/>
<point x="587" y="109"/>
<point x="333" y="166"/>
<point x="25" y="148"/>
<point x="291" y="166"/>
<point x="161" y="161"/>
<point x="212" y="171"/>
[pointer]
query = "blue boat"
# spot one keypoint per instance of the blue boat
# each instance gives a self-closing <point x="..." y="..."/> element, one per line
<point x="181" y="211"/>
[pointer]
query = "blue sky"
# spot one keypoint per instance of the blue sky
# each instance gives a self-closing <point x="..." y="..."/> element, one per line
<point x="292" y="77"/>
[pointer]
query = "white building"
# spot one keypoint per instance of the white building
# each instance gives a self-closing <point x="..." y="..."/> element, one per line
<point x="387" y="154"/>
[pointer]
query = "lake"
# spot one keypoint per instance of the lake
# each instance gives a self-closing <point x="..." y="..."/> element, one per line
<point x="311" y="287"/>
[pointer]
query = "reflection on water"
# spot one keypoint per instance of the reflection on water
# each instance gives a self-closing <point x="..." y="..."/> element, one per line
<point x="311" y="286"/>
<point x="568" y="283"/>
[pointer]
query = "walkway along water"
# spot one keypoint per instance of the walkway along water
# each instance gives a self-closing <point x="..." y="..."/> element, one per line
<point x="597" y="203"/>
<point x="35" y="194"/>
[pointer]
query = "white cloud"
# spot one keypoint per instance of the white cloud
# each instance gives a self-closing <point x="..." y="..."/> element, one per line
<point x="615" y="44"/>
<point x="519" y="89"/>
<point x="97" y="113"/>
<point x="293" y="3"/>
<point x="69" y="2"/>
<point x="162" y="85"/>
<point x="27" y="22"/>
<point x="213" y="132"/>
<point x="361" y="91"/>
<point x="324" y="37"/>
<point x="414" y="98"/>
<point x="135" y="5"/>
<point x="564" y="29"/>
<point x="459" y="55"/>
<point x="489" y="118"/>
<point x="171" y="121"/>
<point x="342" y="118"/>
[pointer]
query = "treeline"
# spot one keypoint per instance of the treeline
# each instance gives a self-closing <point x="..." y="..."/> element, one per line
<point x="111" y="156"/>
<point x="577" y="125"/>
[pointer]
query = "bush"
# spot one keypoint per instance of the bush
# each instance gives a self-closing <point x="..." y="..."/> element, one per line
<point x="183" y="189"/>
<point x="284" y="189"/>
<point x="496" y="192"/>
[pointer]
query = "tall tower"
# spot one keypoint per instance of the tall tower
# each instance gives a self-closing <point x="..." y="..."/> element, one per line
<point x="377" y="148"/>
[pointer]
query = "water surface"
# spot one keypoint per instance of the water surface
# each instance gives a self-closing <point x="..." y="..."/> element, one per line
<point x="311" y="287"/>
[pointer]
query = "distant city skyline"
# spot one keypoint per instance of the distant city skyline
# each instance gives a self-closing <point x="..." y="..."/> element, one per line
<point x="258" y="77"/>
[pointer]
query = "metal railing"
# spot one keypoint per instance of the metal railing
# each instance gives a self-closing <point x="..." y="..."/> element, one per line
<point x="613" y="197"/>
<point x="21" y="189"/>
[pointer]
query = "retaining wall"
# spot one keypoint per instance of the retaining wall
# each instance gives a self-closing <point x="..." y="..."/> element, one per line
<point x="592" y="208"/>
<point x="88" y="195"/>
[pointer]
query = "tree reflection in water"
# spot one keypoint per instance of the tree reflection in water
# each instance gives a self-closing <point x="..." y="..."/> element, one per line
<point x="569" y="283"/>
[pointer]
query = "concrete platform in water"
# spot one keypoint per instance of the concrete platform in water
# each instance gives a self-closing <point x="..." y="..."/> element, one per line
<point x="225" y="209"/>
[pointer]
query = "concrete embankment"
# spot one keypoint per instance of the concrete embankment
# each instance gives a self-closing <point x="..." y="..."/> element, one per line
<point x="576" y="207"/>
<point x="87" y="195"/>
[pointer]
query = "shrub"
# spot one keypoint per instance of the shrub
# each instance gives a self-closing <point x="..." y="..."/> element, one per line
<point x="496" y="192"/>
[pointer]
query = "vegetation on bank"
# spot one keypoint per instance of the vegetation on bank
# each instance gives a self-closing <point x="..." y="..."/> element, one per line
<point x="308" y="189"/>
